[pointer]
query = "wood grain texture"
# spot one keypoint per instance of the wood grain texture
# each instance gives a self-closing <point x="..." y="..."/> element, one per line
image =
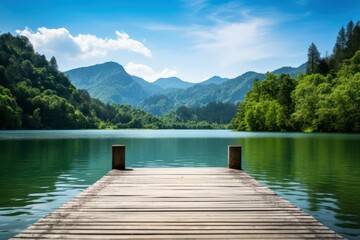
<point x="177" y="203"/>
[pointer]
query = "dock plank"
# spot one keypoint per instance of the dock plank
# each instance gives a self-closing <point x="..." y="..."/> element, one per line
<point x="177" y="203"/>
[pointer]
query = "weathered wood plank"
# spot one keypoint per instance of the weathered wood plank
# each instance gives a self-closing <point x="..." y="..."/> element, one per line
<point x="173" y="227"/>
<point x="175" y="231"/>
<point x="180" y="203"/>
<point x="182" y="236"/>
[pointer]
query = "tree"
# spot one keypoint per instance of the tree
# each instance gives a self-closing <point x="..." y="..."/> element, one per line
<point x="349" y="33"/>
<point x="53" y="63"/>
<point x="341" y="40"/>
<point x="313" y="59"/>
<point x="267" y="106"/>
<point x="340" y="47"/>
<point x="184" y="113"/>
<point x="306" y="99"/>
<point x="286" y="86"/>
<point x="324" y="66"/>
<point x="354" y="41"/>
<point x="10" y="113"/>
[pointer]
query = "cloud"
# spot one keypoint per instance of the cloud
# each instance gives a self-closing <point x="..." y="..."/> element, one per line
<point x="147" y="73"/>
<point x="51" y="41"/>
<point x="232" y="35"/>
<point x="60" y="41"/>
<point x="236" y="42"/>
<point x="196" y="5"/>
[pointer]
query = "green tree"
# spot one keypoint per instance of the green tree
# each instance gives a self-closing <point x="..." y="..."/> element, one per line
<point x="10" y="113"/>
<point x="53" y="63"/>
<point x="33" y="121"/>
<point x="339" y="51"/>
<point x="349" y="31"/>
<point x="324" y="66"/>
<point x="306" y="100"/>
<point x="313" y="59"/>
<point x="184" y="113"/>
<point x="267" y="106"/>
<point x="354" y="41"/>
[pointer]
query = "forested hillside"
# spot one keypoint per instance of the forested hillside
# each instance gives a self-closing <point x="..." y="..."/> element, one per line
<point x="34" y="94"/>
<point x="110" y="83"/>
<point x="327" y="99"/>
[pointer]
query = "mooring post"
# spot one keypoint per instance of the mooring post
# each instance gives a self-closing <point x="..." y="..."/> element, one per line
<point x="118" y="156"/>
<point x="234" y="156"/>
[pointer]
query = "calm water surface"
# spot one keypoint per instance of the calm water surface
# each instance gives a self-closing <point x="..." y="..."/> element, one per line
<point x="41" y="170"/>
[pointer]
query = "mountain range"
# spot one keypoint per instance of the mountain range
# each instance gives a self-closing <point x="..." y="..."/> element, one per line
<point x="172" y="82"/>
<point x="110" y="83"/>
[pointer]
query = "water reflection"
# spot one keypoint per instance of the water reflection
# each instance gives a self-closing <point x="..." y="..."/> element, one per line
<point x="318" y="174"/>
<point x="42" y="170"/>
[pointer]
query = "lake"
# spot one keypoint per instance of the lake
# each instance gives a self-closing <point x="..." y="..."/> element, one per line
<point x="41" y="170"/>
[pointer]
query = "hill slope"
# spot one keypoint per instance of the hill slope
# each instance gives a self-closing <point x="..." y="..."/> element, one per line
<point x="35" y="95"/>
<point x="214" y="80"/>
<point x="150" y="88"/>
<point x="172" y="82"/>
<point x="108" y="82"/>
<point x="293" y="72"/>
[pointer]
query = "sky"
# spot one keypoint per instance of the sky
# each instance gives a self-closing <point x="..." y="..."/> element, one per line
<point x="191" y="39"/>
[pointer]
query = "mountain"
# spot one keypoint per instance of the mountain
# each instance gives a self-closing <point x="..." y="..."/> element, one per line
<point x="293" y="72"/>
<point x="109" y="82"/>
<point x="214" y="80"/>
<point x="150" y="88"/>
<point x="232" y="90"/>
<point x="172" y="82"/>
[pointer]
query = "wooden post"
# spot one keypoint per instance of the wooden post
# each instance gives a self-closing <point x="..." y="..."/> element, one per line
<point x="118" y="157"/>
<point x="234" y="156"/>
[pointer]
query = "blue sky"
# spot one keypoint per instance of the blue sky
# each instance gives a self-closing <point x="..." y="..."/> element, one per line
<point x="193" y="40"/>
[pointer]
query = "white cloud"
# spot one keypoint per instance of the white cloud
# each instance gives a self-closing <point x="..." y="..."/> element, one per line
<point x="237" y="42"/>
<point x="61" y="42"/>
<point x="196" y="5"/>
<point x="231" y="36"/>
<point x="52" y="41"/>
<point x="147" y="73"/>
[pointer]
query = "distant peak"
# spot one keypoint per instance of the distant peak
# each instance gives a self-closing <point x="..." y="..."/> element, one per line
<point x="112" y="64"/>
<point x="213" y="77"/>
<point x="170" y="78"/>
<point x="214" y="80"/>
<point x="172" y="82"/>
<point x="105" y="65"/>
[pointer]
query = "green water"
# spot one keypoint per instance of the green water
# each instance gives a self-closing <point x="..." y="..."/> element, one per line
<point x="41" y="170"/>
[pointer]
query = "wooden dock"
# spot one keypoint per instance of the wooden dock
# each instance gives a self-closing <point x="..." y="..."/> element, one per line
<point x="178" y="203"/>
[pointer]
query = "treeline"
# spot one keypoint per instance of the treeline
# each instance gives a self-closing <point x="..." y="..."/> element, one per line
<point x="347" y="44"/>
<point x="319" y="101"/>
<point x="214" y="115"/>
<point x="34" y="94"/>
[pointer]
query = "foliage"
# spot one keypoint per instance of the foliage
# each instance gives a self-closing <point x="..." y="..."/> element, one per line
<point x="313" y="59"/>
<point x="212" y="115"/>
<point x="322" y="101"/>
<point x="347" y="44"/>
<point x="10" y="112"/>
<point x="34" y="94"/>
<point x="267" y="107"/>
